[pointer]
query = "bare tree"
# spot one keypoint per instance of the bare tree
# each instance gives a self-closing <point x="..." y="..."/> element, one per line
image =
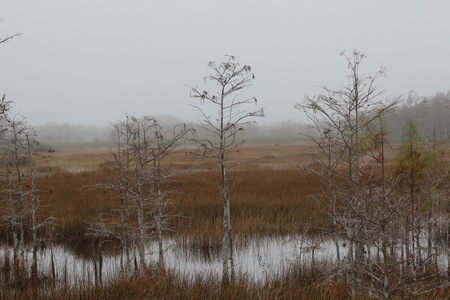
<point x="22" y="210"/>
<point x="346" y="132"/>
<point x="8" y="37"/>
<point x="224" y="127"/>
<point x="136" y="179"/>
<point x="162" y="145"/>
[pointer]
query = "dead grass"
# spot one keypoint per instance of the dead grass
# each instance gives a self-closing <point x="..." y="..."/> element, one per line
<point x="265" y="200"/>
<point x="270" y="196"/>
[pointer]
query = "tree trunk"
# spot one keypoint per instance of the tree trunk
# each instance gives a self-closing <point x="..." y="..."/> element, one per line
<point x="227" y="241"/>
<point x="159" y="201"/>
<point x="142" y="239"/>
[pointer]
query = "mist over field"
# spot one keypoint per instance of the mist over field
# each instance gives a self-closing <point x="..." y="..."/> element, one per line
<point x="431" y="114"/>
<point x="80" y="62"/>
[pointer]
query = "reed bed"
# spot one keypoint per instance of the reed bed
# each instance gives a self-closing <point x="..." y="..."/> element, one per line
<point x="265" y="200"/>
<point x="271" y="194"/>
<point x="296" y="283"/>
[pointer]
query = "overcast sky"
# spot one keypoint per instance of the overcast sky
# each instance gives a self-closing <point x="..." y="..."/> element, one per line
<point x="88" y="62"/>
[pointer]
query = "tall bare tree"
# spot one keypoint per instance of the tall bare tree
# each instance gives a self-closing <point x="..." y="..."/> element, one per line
<point x="346" y="132"/>
<point x="232" y="115"/>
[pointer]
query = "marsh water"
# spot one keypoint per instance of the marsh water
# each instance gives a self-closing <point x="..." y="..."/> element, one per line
<point x="257" y="259"/>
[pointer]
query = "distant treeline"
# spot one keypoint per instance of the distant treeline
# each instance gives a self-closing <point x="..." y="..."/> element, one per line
<point x="431" y="114"/>
<point x="57" y="135"/>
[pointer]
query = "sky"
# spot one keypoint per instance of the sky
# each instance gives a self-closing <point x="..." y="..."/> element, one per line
<point x="91" y="61"/>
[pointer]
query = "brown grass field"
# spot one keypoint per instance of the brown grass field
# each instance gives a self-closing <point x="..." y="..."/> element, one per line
<point x="271" y="196"/>
<point x="271" y="191"/>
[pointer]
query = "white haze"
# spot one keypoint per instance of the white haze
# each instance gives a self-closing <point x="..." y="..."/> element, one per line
<point x="88" y="62"/>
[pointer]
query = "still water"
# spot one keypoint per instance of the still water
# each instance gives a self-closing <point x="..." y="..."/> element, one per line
<point x="257" y="259"/>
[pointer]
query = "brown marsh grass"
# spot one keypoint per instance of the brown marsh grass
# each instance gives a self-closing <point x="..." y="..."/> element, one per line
<point x="270" y="194"/>
<point x="295" y="283"/>
<point x="169" y="285"/>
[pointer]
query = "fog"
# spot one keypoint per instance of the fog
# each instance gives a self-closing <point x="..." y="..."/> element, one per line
<point x="88" y="62"/>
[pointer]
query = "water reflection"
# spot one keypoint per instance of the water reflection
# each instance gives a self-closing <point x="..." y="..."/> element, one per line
<point x="257" y="259"/>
